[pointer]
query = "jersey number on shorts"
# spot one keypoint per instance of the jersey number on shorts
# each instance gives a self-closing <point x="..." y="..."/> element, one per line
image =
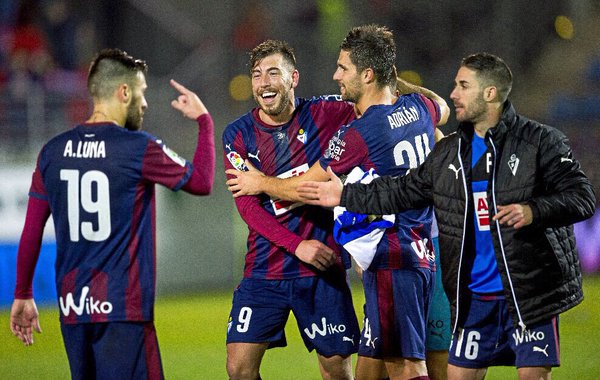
<point x="80" y="192"/>
<point x="244" y="319"/>
<point x="471" y="345"/>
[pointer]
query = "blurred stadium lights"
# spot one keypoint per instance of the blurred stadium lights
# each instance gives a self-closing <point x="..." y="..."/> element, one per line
<point x="564" y="27"/>
<point x="240" y="88"/>
<point x="411" y="76"/>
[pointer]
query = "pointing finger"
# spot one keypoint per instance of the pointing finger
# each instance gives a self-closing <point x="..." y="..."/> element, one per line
<point x="179" y="87"/>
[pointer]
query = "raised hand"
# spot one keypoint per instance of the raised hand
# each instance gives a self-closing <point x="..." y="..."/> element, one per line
<point x="326" y="194"/>
<point x="188" y="103"/>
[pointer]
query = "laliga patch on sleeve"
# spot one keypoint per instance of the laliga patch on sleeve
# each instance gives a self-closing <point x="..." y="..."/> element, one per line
<point x="236" y="160"/>
<point x="174" y="156"/>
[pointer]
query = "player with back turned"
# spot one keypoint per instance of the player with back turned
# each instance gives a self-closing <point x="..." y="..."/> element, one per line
<point x="97" y="181"/>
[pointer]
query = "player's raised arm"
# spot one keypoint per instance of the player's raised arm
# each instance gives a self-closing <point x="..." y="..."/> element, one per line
<point x="188" y="103"/>
<point x="403" y="87"/>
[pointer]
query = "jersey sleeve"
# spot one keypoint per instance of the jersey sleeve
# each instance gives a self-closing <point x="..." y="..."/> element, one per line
<point x="265" y="224"/>
<point x="202" y="177"/>
<point x="433" y="108"/>
<point x="347" y="149"/>
<point x="164" y="166"/>
<point x="38" y="212"/>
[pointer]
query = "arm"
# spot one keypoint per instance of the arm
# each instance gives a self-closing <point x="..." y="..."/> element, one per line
<point x="312" y="252"/>
<point x="384" y="195"/>
<point x="24" y="314"/>
<point x="202" y="177"/>
<point x="254" y="182"/>
<point x="569" y="195"/>
<point x="403" y="87"/>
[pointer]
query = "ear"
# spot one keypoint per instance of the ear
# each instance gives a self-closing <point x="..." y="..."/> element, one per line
<point x="295" y="78"/>
<point x="490" y="93"/>
<point x="368" y="75"/>
<point x="124" y="93"/>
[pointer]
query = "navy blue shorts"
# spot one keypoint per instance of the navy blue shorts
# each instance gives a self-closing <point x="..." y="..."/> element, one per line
<point x="112" y="350"/>
<point x="489" y="338"/>
<point x="323" y="309"/>
<point x="439" y="332"/>
<point x="396" y="306"/>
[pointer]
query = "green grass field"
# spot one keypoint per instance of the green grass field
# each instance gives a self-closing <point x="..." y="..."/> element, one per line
<point x="191" y="332"/>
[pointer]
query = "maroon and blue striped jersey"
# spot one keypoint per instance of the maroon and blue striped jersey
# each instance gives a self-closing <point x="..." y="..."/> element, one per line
<point x="277" y="227"/>
<point x="97" y="180"/>
<point x="392" y="139"/>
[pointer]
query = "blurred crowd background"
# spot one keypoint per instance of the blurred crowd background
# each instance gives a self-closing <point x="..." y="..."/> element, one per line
<point x="553" y="48"/>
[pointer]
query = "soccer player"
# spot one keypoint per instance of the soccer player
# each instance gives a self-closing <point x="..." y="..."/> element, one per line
<point x="506" y="190"/>
<point x="97" y="181"/>
<point x="292" y="261"/>
<point x="393" y="135"/>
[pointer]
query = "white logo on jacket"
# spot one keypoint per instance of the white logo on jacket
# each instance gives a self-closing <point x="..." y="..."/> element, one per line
<point x="513" y="164"/>
<point x="454" y="169"/>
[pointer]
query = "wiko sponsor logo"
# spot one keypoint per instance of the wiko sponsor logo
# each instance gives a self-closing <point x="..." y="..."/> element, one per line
<point x="87" y="305"/>
<point x="528" y="336"/>
<point x="324" y="329"/>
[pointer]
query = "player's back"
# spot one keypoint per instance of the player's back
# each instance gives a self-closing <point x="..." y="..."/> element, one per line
<point x="102" y="205"/>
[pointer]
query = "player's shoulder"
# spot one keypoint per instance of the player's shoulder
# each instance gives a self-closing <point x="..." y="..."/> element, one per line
<point x="242" y="122"/>
<point x="324" y="101"/>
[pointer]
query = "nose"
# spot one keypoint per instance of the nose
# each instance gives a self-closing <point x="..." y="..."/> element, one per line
<point x="337" y="75"/>
<point x="454" y="94"/>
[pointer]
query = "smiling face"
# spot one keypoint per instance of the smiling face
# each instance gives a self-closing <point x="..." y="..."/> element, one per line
<point x="468" y="98"/>
<point x="273" y="83"/>
<point x="348" y="78"/>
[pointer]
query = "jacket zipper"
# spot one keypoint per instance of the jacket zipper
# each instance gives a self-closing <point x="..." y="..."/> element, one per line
<point x="462" y="244"/>
<point x="512" y="290"/>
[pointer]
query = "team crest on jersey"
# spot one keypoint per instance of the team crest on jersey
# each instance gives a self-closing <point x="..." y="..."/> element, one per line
<point x="174" y="156"/>
<point x="301" y="136"/>
<point x="236" y="160"/>
<point x="513" y="164"/>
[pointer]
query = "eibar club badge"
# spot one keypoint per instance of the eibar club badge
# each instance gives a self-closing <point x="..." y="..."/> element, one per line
<point x="513" y="164"/>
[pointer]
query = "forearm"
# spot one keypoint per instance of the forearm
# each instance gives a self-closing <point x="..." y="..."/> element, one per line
<point x="404" y="87"/>
<point x="384" y="195"/>
<point x="282" y="188"/>
<point x="38" y="213"/>
<point x="202" y="178"/>
<point x="564" y="208"/>
<point x="266" y="225"/>
<point x="285" y="188"/>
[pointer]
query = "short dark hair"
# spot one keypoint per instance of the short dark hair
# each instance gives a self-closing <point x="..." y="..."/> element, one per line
<point x="372" y="46"/>
<point x="270" y="47"/>
<point x="110" y="68"/>
<point x="492" y="71"/>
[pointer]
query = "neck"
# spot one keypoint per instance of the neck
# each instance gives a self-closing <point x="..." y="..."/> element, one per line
<point x="100" y="115"/>
<point x="492" y="117"/>
<point x="374" y="96"/>
<point x="279" y="119"/>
